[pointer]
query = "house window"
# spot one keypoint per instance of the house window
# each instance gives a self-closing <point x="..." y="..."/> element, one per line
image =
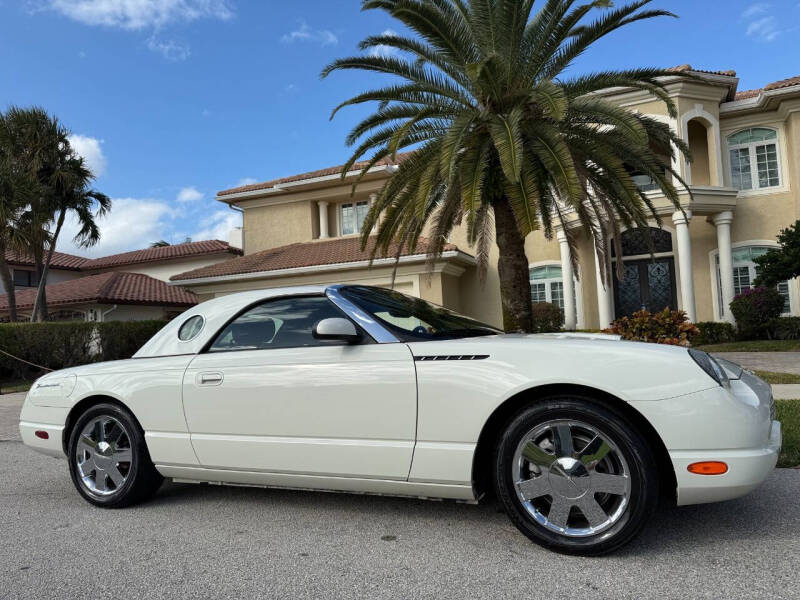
<point x="754" y="159"/>
<point x="547" y="285"/>
<point x="745" y="272"/>
<point x="25" y="278"/>
<point x="352" y="217"/>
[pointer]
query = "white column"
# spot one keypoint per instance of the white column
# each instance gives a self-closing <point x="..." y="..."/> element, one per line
<point x="681" y="222"/>
<point x="323" y="219"/>
<point x="723" y="222"/>
<point x="604" y="299"/>
<point x="568" y="281"/>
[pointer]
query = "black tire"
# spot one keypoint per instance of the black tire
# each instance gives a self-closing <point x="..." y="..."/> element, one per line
<point x="642" y="496"/>
<point x="141" y="479"/>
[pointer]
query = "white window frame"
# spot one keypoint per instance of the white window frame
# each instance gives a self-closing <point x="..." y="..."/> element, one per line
<point x="580" y="324"/>
<point x="751" y="149"/>
<point x="716" y="295"/>
<point x="340" y="210"/>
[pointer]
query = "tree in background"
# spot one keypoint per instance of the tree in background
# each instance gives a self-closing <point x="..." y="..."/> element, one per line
<point x="59" y="184"/>
<point x="502" y="137"/>
<point x="780" y="264"/>
<point x="160" y="244"/>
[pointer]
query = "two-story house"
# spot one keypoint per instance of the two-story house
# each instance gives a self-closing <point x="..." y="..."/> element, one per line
<point x="744" y="182"/>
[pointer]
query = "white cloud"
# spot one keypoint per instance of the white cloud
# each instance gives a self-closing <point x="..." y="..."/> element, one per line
<point x="169" y="49"/>
<point x="756" y="9"/>
<point x="383" y="49"/>
<point x="140" y="14"/>
<point x="189" y="194"/>
<point x="218" y="226"/>
<point x="246" y="181"/>
<point x="305" y="33"/>
<point x="91" y="151"/>
<point x="131" y="224"/>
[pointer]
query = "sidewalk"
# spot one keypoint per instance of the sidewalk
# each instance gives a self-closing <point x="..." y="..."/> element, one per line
<point x="785" y="392"/>
<point x="778" y="362"/>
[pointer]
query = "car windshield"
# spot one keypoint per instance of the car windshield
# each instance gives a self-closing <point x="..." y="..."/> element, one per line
<point x="412" y="319"/>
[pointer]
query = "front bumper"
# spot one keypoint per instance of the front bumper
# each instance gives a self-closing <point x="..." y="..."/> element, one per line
<point x="747" y="469"/>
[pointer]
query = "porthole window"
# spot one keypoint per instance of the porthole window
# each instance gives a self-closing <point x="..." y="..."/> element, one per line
<point x="191" y="328"/>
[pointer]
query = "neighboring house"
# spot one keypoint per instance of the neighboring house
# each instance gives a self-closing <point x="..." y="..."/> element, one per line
<point x="744" y="182"/>
<point x="120" y="287"/>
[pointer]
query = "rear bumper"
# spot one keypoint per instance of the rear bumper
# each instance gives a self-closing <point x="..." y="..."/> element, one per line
<point x="51" y="446"/>
<point x="747" y="469"/>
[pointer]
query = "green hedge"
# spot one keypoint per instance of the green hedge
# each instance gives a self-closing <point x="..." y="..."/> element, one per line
<point x="713" y="332"/>
<point x="62" y="345"/>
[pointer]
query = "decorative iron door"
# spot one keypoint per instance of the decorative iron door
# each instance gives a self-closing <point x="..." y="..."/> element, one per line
<point x="645" y="284"/>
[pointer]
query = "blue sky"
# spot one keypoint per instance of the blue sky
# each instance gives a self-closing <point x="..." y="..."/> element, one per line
<point x="173" y="100"/>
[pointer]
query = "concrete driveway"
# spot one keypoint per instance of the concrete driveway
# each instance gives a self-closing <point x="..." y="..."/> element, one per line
<point x="212" y="542"/>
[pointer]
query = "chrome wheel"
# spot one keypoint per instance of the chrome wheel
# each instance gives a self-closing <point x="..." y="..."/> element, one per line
<point x="103" y="455"/>
<point x="571" y="478"/>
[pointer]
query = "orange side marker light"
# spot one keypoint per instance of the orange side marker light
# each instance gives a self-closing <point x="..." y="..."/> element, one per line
<point x="709" y="467"/>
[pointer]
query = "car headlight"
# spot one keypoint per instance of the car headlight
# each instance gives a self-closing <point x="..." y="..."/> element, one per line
<point x="707" y="362"/>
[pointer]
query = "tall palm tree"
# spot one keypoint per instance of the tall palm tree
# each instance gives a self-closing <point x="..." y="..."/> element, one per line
<point x="40" y="147"/>
<point x="503" y="137"/>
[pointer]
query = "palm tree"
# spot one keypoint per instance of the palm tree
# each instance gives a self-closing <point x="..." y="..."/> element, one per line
<point x="61" y="185"/>
<point x="502" y="137"/>
<point x="160" y="244"/>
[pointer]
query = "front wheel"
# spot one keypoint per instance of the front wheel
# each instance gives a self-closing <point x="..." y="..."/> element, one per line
<point x="108" y="459"/>
<point x="574" y="476"/>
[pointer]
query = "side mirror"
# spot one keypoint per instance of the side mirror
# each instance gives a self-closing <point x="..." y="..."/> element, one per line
<point x="336" y="329"/>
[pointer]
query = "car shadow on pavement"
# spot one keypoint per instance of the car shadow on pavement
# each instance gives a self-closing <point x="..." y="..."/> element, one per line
<point x="763" y="516"/>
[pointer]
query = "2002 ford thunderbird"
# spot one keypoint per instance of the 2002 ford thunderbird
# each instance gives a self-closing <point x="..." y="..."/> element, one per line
<point x="363" y="389"/>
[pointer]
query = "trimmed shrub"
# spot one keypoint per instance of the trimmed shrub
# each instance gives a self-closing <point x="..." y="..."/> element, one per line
<point x="712" y="332"/>
<point x="69" y="344"/>
<point x="786" y="328"/>
<point x="547" y="317"/>
<point x="755" y="311"/>
<point x="121" y="339"/>
<point x="665" y="327"/>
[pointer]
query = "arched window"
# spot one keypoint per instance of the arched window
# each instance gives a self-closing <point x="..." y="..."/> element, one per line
<point x="547" y="285"/>
<point x="634" y="242"/>
<point x="754" y="159"/>
<point x="745" y="272"/>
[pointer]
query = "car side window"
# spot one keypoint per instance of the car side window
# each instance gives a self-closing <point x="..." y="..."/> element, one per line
<point x="283" y="323"/>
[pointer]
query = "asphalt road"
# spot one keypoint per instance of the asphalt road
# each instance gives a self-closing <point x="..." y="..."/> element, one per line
<point x="212" y="542"/>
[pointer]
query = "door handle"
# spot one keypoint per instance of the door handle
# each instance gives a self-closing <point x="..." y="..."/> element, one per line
<point x="210" y="378"/>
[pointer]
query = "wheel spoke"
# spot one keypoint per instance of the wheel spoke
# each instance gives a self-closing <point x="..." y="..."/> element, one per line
<point x="86" y="443"/>
<point x="115" y="434"/>
<point x="115" y="476"/>
<point x="99" y="431"/>
<point x="100" y="480"/>
<point x="122" y="455"/>
<point x="536" y="456"/>
<point x="610" y="484"/>
<point x="559" y="511"/>
<point x="86" y="467"/>
<point x="594" y="452"/>
<point x="534" y="488"/>
<point x="562" y="440"/>
<point x="593" y="512"/>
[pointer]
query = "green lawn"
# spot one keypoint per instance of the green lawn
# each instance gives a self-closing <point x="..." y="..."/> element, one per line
<point x="780" y="378"/>
<point x="754" y="346"/>
<point x="789" y="416"/>
<point x="9" y="387"/>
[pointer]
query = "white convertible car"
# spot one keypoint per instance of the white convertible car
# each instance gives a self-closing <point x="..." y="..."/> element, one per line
<point x="364" y="389"/>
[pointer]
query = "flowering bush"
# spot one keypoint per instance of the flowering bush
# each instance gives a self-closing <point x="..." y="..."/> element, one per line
<point x="665" y="327"/>
<point x="755" y="311"/>
<point x="547" y="317"/>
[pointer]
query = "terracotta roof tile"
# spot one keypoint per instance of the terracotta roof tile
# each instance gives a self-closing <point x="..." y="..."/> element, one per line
<point x="783" y="83"/>
<point x="162" y="253"/>
<point x="307" y="254"/>
<point x="61" y="260"/>
<point x="309" y="175"/>
<point x="114" y="287"/>
<point x="687" y="67"/>
<point x="745" y="94"/>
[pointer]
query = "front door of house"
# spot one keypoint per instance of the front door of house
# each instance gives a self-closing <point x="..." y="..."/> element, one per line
<point x="645" y="284"/>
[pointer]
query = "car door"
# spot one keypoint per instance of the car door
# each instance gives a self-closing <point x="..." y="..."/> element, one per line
<point x="267" y="396"/>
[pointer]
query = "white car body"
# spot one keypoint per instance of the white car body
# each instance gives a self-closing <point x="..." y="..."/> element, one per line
<point x="400" y="418"/>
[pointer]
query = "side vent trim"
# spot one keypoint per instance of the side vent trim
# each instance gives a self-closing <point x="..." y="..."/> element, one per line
<point x="432" y="357"/>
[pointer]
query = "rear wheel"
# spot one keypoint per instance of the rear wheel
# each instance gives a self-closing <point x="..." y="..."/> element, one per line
<point x="574" y="476"/>
<point x="108" y="459"/>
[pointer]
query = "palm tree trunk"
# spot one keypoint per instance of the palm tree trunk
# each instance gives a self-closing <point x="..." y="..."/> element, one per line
<point x="8" y="284"/>
<point x="40" y="304"/>
<point x="512" y="266"/>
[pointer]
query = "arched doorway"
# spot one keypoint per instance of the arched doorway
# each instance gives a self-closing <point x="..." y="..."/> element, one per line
<point x="648" y="280"/>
